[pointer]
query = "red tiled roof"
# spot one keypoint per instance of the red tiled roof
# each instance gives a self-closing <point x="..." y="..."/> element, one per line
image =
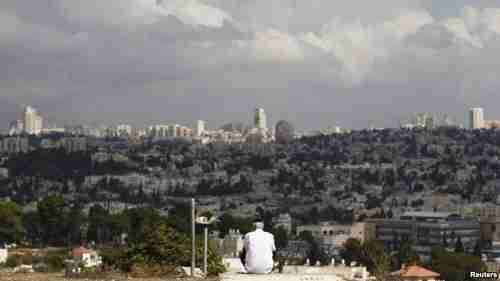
<point x="413" y="271"/>
<point x="78" y="252"/>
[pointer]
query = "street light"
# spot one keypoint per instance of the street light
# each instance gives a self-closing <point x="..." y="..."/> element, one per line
<point x="205" y="222"/>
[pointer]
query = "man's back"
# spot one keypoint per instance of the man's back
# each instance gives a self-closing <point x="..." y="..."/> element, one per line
<point x="259" y="247"/>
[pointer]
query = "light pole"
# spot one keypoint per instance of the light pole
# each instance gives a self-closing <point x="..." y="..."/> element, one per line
<point x="193" y="235"/>
<point x="205" y="222"/>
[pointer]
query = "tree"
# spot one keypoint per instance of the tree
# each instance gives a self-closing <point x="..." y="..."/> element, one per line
<point x="455" y="266"/>
<point x="406" y="255"/>
<point x="11" y="222"/>
<point x="459" y="247"/>
<point x="163" y="245"/>
<point x="280" y="237"/>
<point x="373" y="256"/>
<point x="51" y="211"/>
<point x="352" y="250"/>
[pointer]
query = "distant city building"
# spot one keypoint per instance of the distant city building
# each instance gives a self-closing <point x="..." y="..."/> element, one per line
<point x="284" y="132"/>
<point x="74" y="144"/>
<point x="284" y="221"/>
<point x="476" y="118"/>
<point x="327" y="233"/>
<point x="423" y="120"/>
<point x="200" y="128"/>
<point x="260" y="119"/>
<point x="124" y="130"/>
<point x="53" y="130"/>
<point x="14" y="144"/>
<point x="447" y="121"/>
<point x="33" y="122"/>
<point x="16" y="127"/>
<point x="492" y="124"/>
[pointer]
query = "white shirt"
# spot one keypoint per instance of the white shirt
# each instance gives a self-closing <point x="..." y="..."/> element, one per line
<point x="259" y="246"/>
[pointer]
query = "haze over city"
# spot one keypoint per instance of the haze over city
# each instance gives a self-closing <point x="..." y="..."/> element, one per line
<point x="315" y="64"/>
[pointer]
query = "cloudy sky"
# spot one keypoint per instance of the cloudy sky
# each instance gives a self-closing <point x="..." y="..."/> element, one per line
<point x="316" y="63"/>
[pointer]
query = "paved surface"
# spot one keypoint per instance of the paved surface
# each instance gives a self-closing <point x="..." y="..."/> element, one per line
<point x="281" y="277"/>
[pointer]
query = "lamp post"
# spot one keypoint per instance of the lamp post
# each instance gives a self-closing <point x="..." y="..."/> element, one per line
<point x="193" y="235"/>
<point x="205" y="222"/>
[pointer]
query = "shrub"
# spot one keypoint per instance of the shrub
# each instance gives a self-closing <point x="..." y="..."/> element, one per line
<point x="164" y="246"/>
<point x="13" y="261"/>
<point x="55" y="259"/>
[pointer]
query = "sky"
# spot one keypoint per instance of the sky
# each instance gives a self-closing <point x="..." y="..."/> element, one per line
<point x="314" y="63"/>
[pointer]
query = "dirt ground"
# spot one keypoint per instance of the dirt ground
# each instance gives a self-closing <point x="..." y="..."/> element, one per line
<point x="60" y="277"/>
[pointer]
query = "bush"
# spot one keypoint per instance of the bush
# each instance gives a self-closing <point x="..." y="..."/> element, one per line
<point x="13" y="261"/>
<point x="55" y="260"/>
<point x="113" y="257"/>
<point x="164" y="246"/>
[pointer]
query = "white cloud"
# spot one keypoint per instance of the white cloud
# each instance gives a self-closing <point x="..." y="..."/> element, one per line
<point x="131" y="13"/>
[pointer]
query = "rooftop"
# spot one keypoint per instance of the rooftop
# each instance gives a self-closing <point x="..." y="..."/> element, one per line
<point x="415" y="271"/>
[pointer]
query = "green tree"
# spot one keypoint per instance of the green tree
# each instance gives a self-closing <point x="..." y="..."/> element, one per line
<point x="280" y="237"/>
<point x="11" y="222"/>
<point x="455" y="266"/>
<point x="459" y="246"/>
<point x="163" y="245"/>
<point x="51" y="211"/>
<point x="352" y="250"/>
<point x="374" y="257"/>
<point x="406" y="255"/>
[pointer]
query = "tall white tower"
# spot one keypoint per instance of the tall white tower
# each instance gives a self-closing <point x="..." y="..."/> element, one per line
<point x="476" y="118"/>
<point x="200" y="127"/>
<point x="33" y="122"/>
<point x="260" y="121"/>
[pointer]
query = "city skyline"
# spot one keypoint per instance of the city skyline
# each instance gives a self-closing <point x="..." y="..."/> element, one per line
<point x="316" y="65"/>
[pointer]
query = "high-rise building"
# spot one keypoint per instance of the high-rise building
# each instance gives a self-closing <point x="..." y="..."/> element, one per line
<point x="33" y="122"/>
<point x="284" y="132"/>
<point x="124" y="130"/>
<point x="16" y="127"/>
<point x="476" y="118"/>
<point x="260" y="121"/>
<point x="200" y="127"/>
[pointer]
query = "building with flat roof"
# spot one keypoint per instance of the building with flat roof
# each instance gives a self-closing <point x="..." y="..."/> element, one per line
<point x="426" y="230"/>
<point x="476" y="118"/>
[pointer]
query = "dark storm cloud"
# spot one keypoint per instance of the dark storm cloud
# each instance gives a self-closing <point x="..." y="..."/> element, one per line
<point x="316" y="64"/>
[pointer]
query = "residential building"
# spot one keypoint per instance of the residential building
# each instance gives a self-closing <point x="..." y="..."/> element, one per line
<point x="492" y="124"/>
<point x="14" y="144"/>
<point x="285" y="221"/>
<point x="331" y="234"/>
<point x="74" y="144"/>
<point x="476" y="118"/>
<point x="489" y="219"/>
<point x="33" y="122"/>
<point x="284" y="132"/>
<point x="362" y="231"/>
<point x="260" y="120"/>
<point x="124" y="130"/>
<point x="89" y="258"/>
<point x="16" y="127"/>
<point x="426" y="230"/>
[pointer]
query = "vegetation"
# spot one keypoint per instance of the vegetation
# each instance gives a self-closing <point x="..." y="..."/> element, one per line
<point x="455" y="266"/>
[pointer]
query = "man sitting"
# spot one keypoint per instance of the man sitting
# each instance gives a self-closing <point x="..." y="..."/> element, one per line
<point x="258" y="250"/>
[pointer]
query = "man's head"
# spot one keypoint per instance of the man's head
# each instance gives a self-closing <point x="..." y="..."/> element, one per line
<point x="259" y="225"/>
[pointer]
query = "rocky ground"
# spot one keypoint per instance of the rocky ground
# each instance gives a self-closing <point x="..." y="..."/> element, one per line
<point x="60" y="277"/>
